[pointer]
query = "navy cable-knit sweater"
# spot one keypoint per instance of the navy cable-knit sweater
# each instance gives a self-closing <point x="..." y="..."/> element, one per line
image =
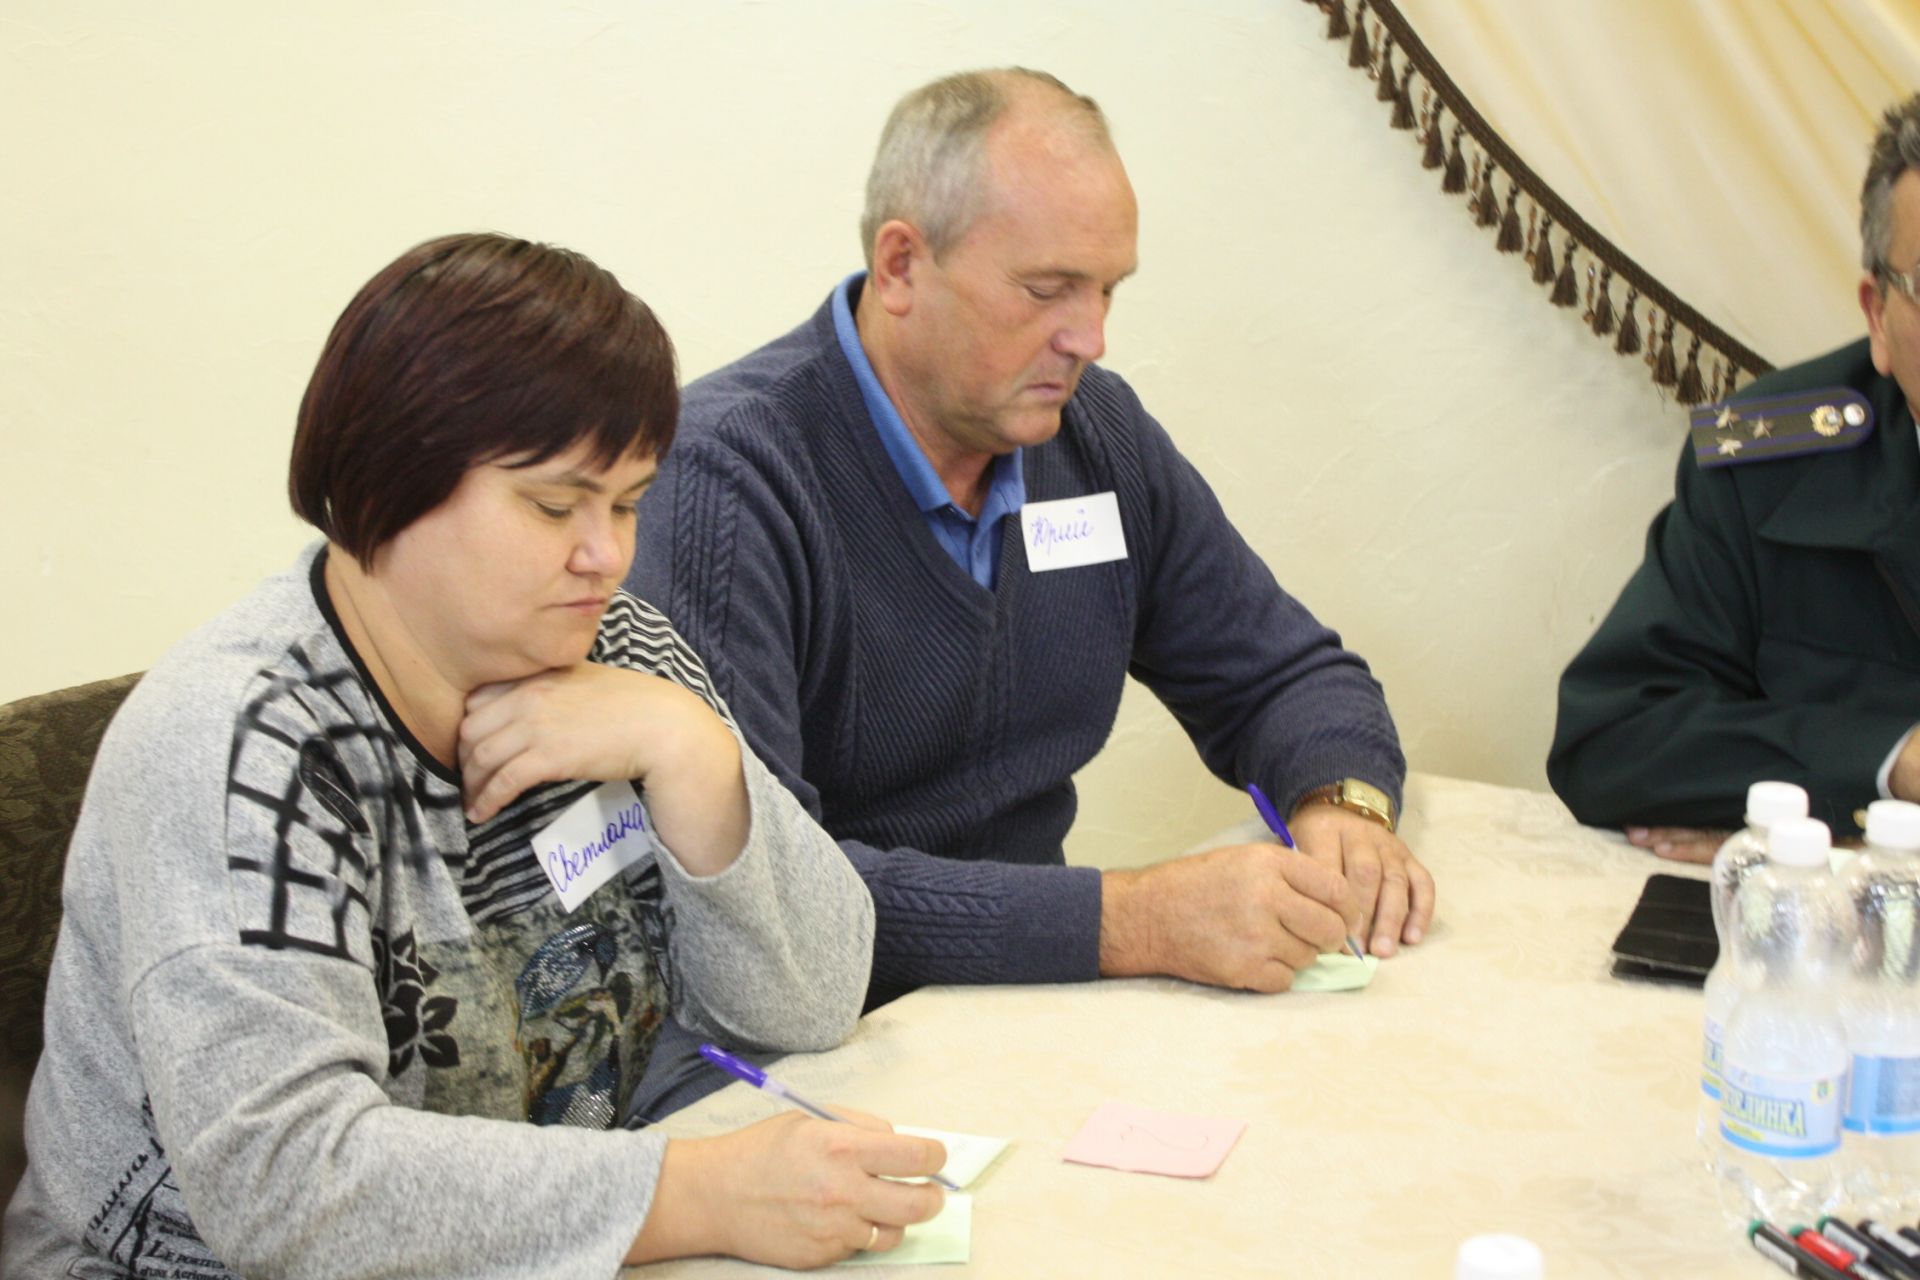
<point x="933" y="726"/>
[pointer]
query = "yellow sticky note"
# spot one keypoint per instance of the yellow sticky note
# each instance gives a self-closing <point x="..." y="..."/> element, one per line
<point x="1336" y="972"/>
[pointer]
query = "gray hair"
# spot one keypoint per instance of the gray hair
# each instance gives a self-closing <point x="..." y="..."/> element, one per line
<point x="1896" y="149"/>
<point x="930" y="167"/>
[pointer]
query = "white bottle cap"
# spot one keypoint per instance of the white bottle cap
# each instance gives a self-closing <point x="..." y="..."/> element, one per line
<point x="1499" y="1258"/>
<point x="1771" y="802"/>
<point x="1893" y="824"/>
<point x="1799" y="842"/>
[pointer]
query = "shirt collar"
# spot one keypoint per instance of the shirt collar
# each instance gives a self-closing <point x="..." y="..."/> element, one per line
<point x="1006" y="490"/>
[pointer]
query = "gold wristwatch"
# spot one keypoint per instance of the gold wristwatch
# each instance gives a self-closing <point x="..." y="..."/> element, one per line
<point x="1362" y="798"/>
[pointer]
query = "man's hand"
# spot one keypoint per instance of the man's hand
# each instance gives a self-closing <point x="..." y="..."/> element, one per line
<point x="1679" y="844"/>
<point x="1247" y="916"/>
<point x="791" y="1191"/>
<point x="593" y="722"/>
<point x="1395" y="892"/>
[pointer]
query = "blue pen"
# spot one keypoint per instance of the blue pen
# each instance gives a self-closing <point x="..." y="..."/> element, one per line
<point x="741" y="1069"/>
<point x="1272" y="817"/>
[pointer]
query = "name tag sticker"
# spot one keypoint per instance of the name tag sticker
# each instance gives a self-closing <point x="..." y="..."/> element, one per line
<point x="1067" y="533"/>
<point x="594" y="839"/>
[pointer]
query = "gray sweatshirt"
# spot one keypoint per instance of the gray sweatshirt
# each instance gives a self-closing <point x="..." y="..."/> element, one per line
<point x="301" y="1013"/>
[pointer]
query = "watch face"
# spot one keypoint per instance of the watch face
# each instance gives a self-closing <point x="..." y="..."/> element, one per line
<point x="1360" y="795"/>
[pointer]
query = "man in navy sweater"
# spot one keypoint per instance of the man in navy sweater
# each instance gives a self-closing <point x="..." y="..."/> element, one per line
<point x="923" y="539"/>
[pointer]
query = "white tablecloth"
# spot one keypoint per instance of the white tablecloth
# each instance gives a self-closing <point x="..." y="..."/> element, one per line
<point x="1494" y="1078"/>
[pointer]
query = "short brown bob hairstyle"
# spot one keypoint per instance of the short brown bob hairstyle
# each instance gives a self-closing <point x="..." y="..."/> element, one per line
<point x="467" y="350"/>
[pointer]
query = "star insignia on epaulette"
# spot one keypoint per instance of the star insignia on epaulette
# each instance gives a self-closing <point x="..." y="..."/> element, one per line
<point x="1762" y="427"/>
<point x="1726" y="419"/>
<point x="1826" y="420"/>
<point x="1730" y="447"/>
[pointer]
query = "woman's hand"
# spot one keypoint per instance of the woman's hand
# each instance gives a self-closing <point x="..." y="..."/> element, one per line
<point x="791" y="1191"/>
<point x="589" y="721"/>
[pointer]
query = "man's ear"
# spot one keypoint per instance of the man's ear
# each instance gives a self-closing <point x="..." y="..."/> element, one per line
<point x="1873" y="303"/>
<point x="900" y="254"/>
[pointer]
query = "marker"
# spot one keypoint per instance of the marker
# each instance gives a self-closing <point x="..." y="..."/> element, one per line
<point x="741" y="1069"/>
<point x="1778" y="1247"/>
<point x="1831" y="1253"/>
<point x="1271" y="816"/>
<point x="1882" y="1261"/>
<point x="1895" y="1246"/>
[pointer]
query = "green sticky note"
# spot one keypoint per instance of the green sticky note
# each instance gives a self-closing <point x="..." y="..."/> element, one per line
<point x="1337" y="972"/>
<point x="947" y="1238"/>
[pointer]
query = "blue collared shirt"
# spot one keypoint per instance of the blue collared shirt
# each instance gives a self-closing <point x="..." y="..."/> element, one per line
<point x="974" y="543"/>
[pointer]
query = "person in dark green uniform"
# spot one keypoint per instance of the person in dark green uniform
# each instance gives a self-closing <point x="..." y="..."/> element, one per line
<point x="1773" y="630"/>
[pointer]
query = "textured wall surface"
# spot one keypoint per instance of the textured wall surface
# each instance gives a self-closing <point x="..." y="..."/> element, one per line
<point x="1452" y="473"/>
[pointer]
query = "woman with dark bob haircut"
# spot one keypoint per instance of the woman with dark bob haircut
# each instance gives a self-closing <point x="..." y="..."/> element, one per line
<point x="387" y="876"/>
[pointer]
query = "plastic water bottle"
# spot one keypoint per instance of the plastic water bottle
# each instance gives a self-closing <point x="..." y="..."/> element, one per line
<point x="1881" y="1009"/>
<point x="1745" y="850"/>
<point x="1784" y="1063"/>
<point x="1499" y="1257"/>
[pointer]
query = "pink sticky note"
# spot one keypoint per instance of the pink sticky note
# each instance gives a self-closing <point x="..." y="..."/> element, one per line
<point x="1141" y="1140"/>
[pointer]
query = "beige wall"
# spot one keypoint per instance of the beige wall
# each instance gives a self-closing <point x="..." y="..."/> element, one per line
<point x="1449" y="471"/>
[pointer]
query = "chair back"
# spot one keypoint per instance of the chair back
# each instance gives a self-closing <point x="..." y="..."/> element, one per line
<point x="47" y="743"/>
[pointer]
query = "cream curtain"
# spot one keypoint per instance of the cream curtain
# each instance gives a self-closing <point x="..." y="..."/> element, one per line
<point x="1720" y="143"/>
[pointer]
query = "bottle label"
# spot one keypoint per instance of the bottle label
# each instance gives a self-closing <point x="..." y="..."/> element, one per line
<point x="1884" y="1096"/>
<point x="1792" y="1119"/>
<point x="1710" y="1059"/>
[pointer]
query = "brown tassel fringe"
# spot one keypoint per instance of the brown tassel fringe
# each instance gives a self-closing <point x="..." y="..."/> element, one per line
<point x="1543" y="253"/>
<point x="1358" y="54"/>
<point x="1440" y="96"/>
<point x="1629" y="340"/>
<point x="1454" y="180"/>
<point x="1691" y="390"/>
<point x="1510" y="240"/>
<point x="1602" y="318"/>
<point x="1565" y="291"/>
<point x="1489" y="214"/>
<point x="1402" y="117"/>
<point x="1663" y="372"/>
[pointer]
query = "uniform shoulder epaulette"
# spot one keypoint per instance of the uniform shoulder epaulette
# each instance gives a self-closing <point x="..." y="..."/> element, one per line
<point x="1788" y="425"/>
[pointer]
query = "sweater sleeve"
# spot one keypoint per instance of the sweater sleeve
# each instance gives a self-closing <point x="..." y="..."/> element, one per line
<point x="1267" y="693"/>
<point x="774" y="951"/>
<point x="725" y="552"/>
<point x="1662" y="715"/>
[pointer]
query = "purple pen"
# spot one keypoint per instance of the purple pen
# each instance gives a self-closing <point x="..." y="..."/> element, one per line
<point x="741" y="1069"/>
<point x="1271" y="816"/>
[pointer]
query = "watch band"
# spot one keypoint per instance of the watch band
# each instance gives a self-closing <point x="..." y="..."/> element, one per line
<point x="1358" y="797"/>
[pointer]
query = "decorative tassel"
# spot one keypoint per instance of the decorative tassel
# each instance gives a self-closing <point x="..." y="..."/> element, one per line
<point x="1436" y="153"/>
<point x="1543" y="253"/>
<point x="1691" y="390"/>
<point x="1383" y="71"/>
<point x="1602" y="318"/>
<point x="1454" y="180"/>
<point x="1663" y="370"/>
<point x="1653" y="339"/>
<point x="1403" y="100"/>
<point x="1629" y="340"/>
<point x="1358" y="55"/>
<point x="1533" y="233"/>
<point x="1489" y="215"/>
<point x="1565" y="291"/>
<point x="1337" y="19"/>
<point x="1730" y="382"/>
<point x="1510" y="240"/>
<point x="1586" y="317"/>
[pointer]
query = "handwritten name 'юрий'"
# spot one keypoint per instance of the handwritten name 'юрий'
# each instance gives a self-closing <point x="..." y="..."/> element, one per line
<point x="1048" y="535"/>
